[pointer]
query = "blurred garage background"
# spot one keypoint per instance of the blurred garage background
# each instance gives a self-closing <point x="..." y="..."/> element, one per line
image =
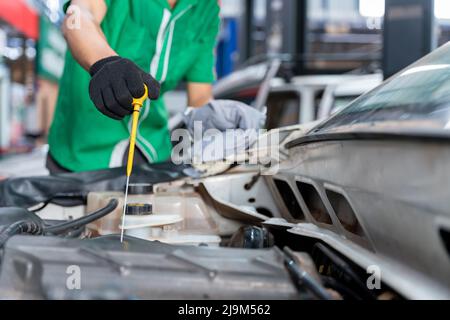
<point x="303" y="59"/>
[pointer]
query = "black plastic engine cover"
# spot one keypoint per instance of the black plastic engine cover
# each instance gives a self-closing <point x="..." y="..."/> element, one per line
<point x="40" y="268"/>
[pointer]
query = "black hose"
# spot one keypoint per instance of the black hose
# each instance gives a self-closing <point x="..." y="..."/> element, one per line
<point x="61" y="197"/>
<point x="37" y="228"/>
<point x="75" y="224"/>
<point x="341" y="288"/>
<point x="42" y="206"/>
<point x="21" y="227"/>
<point x="303" y="278"/>
<point x="345" y="268"/>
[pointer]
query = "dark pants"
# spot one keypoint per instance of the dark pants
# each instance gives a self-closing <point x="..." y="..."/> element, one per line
<point x="56" y="168"/>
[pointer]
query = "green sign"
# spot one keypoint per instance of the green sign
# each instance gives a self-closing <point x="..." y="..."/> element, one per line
<point x="51" y="50"/>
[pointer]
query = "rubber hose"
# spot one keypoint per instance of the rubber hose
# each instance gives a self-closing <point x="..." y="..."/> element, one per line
<point x="21" y="227"/>
<point x="74" y="224"/>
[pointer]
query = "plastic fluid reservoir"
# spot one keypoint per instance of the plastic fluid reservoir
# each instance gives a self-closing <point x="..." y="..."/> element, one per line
<point x="138" y="193"/>
<point x="177" y="216"/>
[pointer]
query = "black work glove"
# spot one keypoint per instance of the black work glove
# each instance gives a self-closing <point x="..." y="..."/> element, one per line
<point x="115" y="81"/>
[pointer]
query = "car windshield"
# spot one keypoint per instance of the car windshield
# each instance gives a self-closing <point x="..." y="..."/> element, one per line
<point x="416" y="99"/>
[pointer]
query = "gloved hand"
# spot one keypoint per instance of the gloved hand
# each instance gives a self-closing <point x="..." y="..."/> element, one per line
<point x="225" y="115"/>
<point x="236" y="126"/>
<point x="115" y="81"/>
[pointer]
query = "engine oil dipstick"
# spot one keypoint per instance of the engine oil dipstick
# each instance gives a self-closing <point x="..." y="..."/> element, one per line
<point x="137" y="105"/>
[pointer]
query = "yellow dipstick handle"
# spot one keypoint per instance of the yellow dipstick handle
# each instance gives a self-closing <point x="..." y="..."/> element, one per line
<point x="137" y="105"/>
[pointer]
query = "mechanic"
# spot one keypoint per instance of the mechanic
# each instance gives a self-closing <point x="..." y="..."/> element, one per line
<point x="116" y="46"/>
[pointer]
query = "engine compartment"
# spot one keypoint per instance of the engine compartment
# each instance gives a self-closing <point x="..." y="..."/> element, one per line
<point x="220" y="237"/>
<point x="326" y="237"/>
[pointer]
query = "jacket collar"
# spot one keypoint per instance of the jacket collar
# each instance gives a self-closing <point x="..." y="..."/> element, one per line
<point x="180" y="6"/>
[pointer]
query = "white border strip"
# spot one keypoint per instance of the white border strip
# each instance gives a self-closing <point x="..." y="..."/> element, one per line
<point x="154" y="66"/>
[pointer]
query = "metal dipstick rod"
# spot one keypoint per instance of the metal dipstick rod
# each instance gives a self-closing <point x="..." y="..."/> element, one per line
<point x="137" y="105"/>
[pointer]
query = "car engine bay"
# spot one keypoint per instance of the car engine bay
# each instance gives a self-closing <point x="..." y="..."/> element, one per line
<point x="189" y="236"/>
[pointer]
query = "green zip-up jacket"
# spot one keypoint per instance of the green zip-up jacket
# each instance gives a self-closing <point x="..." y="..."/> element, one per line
<point x="171" y="44"/>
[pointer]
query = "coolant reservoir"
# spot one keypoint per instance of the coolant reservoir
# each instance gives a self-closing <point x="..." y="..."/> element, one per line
<point x="176" y="216"/>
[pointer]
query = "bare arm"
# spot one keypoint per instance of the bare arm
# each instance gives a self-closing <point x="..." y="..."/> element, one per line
<point x="81" y="28"/>
<point x="199" y="94"/>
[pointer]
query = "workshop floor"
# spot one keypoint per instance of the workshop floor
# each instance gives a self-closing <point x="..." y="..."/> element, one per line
<point x="25" y="165"/>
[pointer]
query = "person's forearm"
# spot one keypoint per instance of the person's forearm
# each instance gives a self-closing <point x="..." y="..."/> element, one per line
<point x="81" y="29"/>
